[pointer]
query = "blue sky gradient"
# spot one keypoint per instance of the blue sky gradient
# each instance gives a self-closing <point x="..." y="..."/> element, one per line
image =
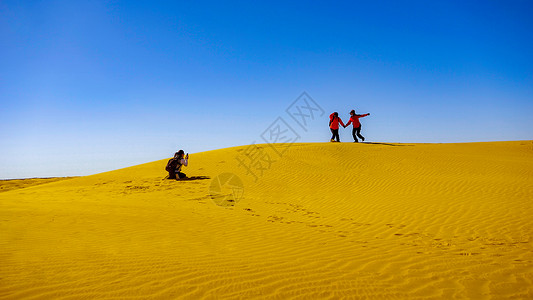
<point x="92" y="86"/>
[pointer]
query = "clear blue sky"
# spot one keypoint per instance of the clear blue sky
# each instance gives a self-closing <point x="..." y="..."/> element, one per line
<point x="92" y="86"/>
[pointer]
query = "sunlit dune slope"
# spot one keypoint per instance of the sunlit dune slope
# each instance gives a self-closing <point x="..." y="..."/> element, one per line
<point x="300" y="221"/>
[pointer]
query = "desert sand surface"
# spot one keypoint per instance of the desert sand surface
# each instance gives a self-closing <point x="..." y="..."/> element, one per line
<point x="305" y="221"/>
<point x="14" y="184"/>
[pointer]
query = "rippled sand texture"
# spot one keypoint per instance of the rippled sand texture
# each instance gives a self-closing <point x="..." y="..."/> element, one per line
<point x="324" y="220"/>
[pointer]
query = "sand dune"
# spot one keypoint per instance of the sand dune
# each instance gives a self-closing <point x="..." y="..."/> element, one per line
<point x="15" y="184"/>
<point x="324" y="220"/>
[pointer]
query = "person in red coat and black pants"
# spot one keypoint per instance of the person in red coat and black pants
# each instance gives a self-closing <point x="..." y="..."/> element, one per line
<point x="334" y="121"/>
<point x="356" y="131"/>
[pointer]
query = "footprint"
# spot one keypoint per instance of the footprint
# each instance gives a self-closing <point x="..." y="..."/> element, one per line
<point x="468" y="253"/>
<point x="395" y="226"/>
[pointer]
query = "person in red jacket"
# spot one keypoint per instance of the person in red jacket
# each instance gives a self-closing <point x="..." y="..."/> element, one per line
<point x="356" y="131"/>
<point x="334" y="121"/>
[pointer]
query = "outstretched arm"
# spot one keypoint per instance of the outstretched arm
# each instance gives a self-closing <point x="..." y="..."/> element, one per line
<point x="340" y="121"/>
<point x="349" y="122"/>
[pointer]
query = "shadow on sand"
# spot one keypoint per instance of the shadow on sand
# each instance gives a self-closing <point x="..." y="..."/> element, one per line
<point x="191" y="178"/>
<point x="387" y="144"/>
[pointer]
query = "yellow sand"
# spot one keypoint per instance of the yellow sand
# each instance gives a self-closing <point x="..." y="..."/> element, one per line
<point x="325" y="220"/>
<point x="14" y="184"/>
